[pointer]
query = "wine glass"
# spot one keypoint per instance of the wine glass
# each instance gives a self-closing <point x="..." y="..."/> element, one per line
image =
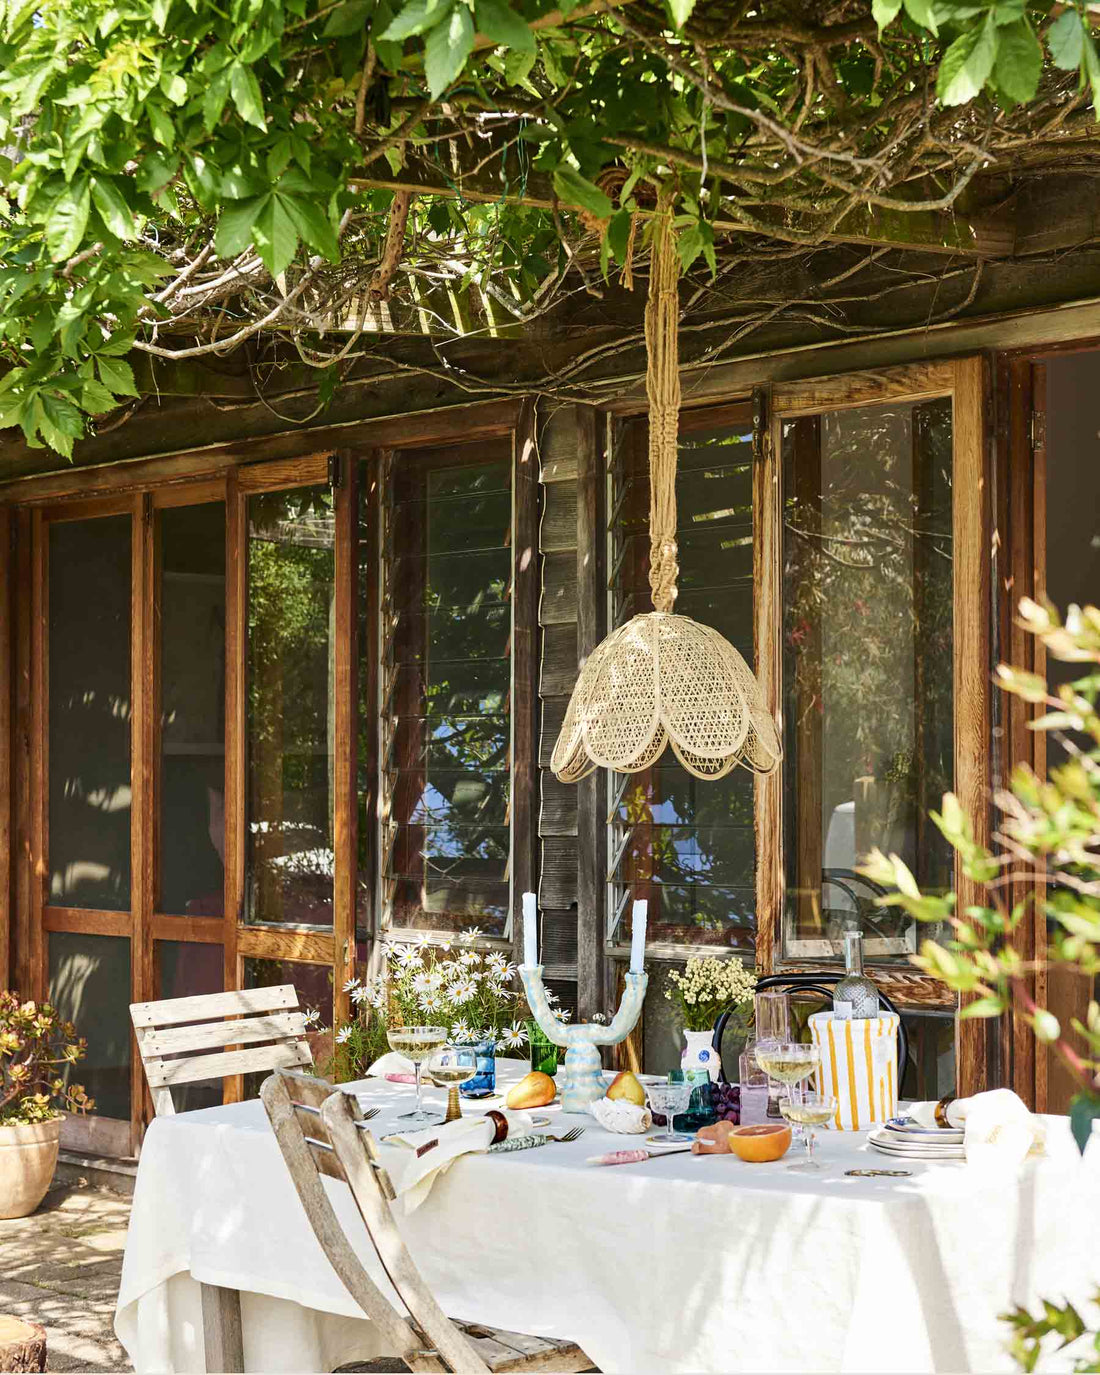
<point x="812" y="1110"/>
<point x="416" y="1043"/>
<point x="448" y="1067"/>
<point x="669" y="1099"/>
<point x="788" y="1061"/>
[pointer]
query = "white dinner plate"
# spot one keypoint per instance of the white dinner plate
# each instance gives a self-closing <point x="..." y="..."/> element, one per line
<point x="915" y="1150"/>
<point x="905" y="1126"/>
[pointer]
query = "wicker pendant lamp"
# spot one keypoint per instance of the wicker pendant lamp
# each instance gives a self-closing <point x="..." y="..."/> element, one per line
<point x="661" y="678"/>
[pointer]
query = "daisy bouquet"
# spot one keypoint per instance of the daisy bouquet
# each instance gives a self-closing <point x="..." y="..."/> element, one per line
<point x="472" y="992"/>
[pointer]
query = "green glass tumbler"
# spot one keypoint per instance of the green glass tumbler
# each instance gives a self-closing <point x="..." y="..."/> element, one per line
<point x="544" y="1053"/>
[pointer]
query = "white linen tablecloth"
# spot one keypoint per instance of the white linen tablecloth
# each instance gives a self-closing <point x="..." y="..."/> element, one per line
<point x="689" y="1263"/>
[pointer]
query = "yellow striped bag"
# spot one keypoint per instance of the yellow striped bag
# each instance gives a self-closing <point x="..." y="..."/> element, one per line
<point x="859" y="1067"/>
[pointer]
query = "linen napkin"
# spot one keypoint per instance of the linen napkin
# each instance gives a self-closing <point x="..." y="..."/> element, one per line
<point x="998" y="1129"/>
<point x="453" y="1139"/>
<point x="390" y="1063"/>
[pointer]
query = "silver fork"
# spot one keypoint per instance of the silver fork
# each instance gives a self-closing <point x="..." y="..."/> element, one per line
<point x="368" y="1113"/>
<point x="573" y="1134"/>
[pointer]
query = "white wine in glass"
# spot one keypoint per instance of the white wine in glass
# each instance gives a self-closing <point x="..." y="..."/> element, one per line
<point x="416" y="1043"/>
<point x="812" y="1110"/>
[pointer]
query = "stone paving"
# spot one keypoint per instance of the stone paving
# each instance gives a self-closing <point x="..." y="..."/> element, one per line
<point x="61" y="1268"/>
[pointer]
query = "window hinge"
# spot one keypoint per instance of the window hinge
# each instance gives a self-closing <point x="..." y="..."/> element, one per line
<point x="759" y="423"/>
<point x="1038" y="429"/>
<point x="335" y="471"/>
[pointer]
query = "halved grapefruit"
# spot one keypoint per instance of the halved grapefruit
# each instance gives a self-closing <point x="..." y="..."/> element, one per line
<point x="757" y="1144"/>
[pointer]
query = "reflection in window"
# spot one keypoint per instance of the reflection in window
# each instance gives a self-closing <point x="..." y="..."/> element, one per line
<point x="685" y="844"/>
<point x="446" y="683"/>
<point x="313" y="985"/>
<point x="90" y="987"/>
<point x="192" y="710"/>
<point x="185" y="969"/>
<point x="867" y="665"/>
<point x="290" y="693"/>
<point x="89" y="713"/>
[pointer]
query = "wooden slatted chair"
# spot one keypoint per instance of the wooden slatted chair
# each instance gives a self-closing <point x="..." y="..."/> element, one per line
<point x="320" y="1132"/>
<point x="176" y="1037"/>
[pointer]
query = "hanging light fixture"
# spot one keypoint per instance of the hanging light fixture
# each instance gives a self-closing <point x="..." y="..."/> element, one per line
<point x="661" y="678"/>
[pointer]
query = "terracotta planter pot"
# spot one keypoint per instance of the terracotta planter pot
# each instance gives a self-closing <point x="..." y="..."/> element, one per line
<point x="28" y="1155"/>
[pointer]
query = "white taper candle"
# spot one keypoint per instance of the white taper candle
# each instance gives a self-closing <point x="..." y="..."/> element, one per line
<point x="530" y="931"/>
<point x="637" y="938"/>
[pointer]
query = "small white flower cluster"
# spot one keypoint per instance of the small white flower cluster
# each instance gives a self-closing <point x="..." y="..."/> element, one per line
<point x="709" y="985"/>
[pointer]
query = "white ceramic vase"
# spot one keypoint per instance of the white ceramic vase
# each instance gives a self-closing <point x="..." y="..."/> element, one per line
<point x="28" y="1155"/>
<point x="698" y="1053"/>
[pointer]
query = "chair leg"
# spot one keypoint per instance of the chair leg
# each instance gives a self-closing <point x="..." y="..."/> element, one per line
<point x="221" y="1330"/>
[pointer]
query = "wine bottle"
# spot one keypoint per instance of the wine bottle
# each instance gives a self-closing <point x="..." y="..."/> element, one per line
<point x="855" y="990"/>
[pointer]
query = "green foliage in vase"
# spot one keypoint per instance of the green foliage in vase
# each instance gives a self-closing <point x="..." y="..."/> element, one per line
<point x="1049" y="835"/>
<point x="37" y="1049"/>
<point x="179" y="176"/>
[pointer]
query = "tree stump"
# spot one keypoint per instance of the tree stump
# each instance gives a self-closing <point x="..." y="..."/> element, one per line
<point x="22" y="1346"/>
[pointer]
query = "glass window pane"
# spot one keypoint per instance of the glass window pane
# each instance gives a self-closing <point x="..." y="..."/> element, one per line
<point x="446" y="742"/>
<point x="290" y="693"/>
<point x="192" y="742"/>
<point x="867" y="666"/>
<point x="90" y="987"/>
<point x="89" y="713"/>
<point x="184" y="969"/>
<point x="685" y="844"/>
<point x="931" y="1072"/>
<point x="313" y="984"/>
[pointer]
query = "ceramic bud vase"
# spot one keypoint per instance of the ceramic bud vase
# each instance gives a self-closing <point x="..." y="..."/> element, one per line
<point x="698" y="1053"/>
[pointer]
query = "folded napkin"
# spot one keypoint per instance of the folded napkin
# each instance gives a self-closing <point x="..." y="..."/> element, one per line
<point x="391" y="1063"/>
<point x="998" y="1129"/>
<point x="452" y="1139"/>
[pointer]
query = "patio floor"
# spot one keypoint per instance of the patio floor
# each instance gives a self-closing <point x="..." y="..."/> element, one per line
<point x="61" y="1268"/>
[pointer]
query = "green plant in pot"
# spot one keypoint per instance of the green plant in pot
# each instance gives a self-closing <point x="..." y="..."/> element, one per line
<point x="36" y="1048"/>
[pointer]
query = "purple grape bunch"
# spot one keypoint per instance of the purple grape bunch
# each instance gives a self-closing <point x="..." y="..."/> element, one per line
<point x="727" y="1102"/>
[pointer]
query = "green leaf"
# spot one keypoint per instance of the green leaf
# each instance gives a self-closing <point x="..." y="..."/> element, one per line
<point x="1064" y="39"/>
<point x="234" y="232"/>
<point x="68" y="220"/>
<point x="577" y="191"/>
<point x="1092" y="70"/>
<point x="1084" y="1110"/>
<point x="416" y="17"/>
<point x="967" y="64"/>
<point x="312" y="226"/>
<point x="213" y="103"/>
<point x="884" y="12"/>
<point x="95" y="398"/>
<point x="113" y="209"/>
<point x="117" y="345"/>
<point x="447" y="48"/>
<point x="618" y="234"/>
<point x="690" y="244"/>
<point x="351" y="17"/>
<point x="517" y="68"/>
<point x="989" y="1006"/>
<point x="61" y="423"/>
<point x="680" y="11"/>
<point x="117" y="374"/>
<point x="275" y="237"/>
<point x="174" y="88"/>
<point x="1019" y="62"/>
<point x="921" y="13"/>
<point x="498" y="21"/>
<point x="246" y="95"/>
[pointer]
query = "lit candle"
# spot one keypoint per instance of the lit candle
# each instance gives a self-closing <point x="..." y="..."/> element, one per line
<point x="637" y="939"/>
<point x="530" y="931"/>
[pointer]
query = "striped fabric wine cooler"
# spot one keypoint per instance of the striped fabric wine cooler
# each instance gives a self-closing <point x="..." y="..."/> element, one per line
<point x="859" y="1067"/>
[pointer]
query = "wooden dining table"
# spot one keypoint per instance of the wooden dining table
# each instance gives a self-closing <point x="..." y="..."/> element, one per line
<point x="677" y="1263"/>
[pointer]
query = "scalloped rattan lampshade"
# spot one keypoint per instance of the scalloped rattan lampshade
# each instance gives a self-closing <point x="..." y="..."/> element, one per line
<point x="663" y="678"/>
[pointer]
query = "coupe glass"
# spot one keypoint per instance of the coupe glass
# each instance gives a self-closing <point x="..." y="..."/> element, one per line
<point x="449" y="1067"/>
<point x="416" y="1043"/>
<point x="810" y="1111"/>
<point x="790" y="1062"/>
<point x="669" y="1100"/>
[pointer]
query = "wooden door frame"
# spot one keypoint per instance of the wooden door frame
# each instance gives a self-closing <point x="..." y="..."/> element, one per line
<point x="967" y="382"/>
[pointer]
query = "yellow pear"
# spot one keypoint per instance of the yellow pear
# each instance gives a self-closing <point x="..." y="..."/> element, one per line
<point x="534" y="1090"/>
<point x="625" y="1085"/>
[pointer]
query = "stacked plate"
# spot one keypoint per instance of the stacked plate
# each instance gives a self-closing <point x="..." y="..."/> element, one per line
<point x="903" y="1138"/>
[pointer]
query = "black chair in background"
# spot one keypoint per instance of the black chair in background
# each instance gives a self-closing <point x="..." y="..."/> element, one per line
<point x="822" y="984"/>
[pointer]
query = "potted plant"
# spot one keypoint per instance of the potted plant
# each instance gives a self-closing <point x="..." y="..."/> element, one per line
<point x="35" y="1047"/>
<point x="708" y="987"/>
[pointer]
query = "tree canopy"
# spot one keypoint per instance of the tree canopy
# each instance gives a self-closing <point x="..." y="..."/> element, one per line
<point x="179" y="176"/>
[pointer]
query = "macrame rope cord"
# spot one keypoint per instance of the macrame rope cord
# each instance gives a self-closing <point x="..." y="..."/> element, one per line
<point x="662" y="317"/>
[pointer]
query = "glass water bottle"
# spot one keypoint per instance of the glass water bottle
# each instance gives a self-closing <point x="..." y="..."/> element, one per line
<point x="855" y="995"/>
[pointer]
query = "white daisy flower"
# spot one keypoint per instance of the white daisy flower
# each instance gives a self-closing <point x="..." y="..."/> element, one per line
<point x="351" y="985"/>
<point x="430" y="1002"/>
<point x="422" y="983"/>
<point x="444" y="944"/>
<point x="312" y="1017"/>
<point x="513" y="1037"/>
<point x="471" y="934"/>
<point x="377" y="997"/>
<point x="435" y="979"/>
<point x="407" y="955"/>
<point x="462" y="990"/>
<point x="359" y="994"/>
<point x="460" y="1032"/>
<point x="497" y="963"/>
<point x="343" y="1035"/>
<point x="562" y="1013"/>
<point x="469" y="958"/>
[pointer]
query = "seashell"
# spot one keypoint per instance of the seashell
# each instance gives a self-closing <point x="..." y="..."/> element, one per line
<point x="617" y="1115"/>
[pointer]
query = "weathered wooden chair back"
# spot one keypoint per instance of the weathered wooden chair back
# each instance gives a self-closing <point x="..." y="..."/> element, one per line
<point x="182" y="1040"/>
<point x="320" y="1132"/>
